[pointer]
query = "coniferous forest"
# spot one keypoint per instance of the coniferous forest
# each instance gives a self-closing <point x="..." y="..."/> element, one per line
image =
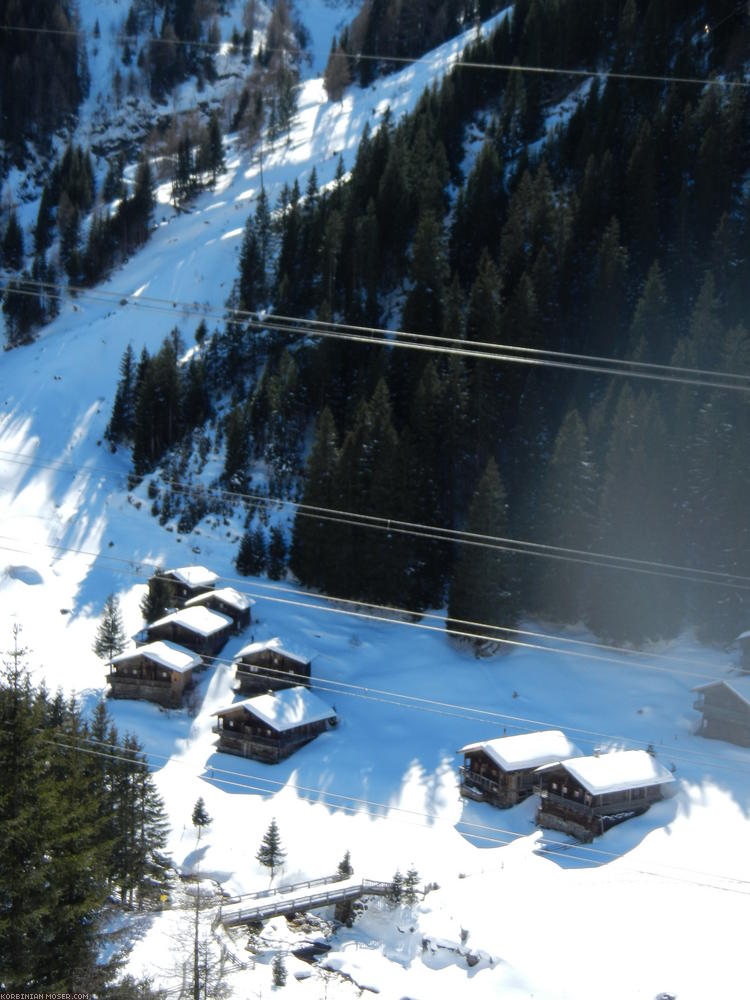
<point x="84" y="833"/>
<point x="623" y="235"/>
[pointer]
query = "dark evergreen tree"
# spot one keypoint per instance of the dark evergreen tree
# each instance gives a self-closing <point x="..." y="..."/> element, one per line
<point x="270" y="853"/>
<point x="276" y="554"/>
<point x="312" y="547"/>
<point x="110" y="637"/>
<point x="252" y="557"/>
<point x="156" y="600"/>
<point x="12" y="245"/>
<point x="483" y="590"/>
<point x="200" y="818"/>
<point x="278" y="971"/>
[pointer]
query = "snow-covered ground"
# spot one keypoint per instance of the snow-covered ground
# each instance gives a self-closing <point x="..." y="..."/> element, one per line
<point x="654" y="905"/>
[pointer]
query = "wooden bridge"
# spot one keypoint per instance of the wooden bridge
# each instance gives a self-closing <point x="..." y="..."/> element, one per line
<point x="297" y="897"/>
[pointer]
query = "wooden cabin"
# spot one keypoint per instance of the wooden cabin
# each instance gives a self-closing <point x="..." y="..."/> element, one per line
<point x="586" y="796"/>
<point x="184" y="583"/>
<point x="227" y="601"/>
<point x="160" y="672"/>
<point x="270" y="727"/>
<point x="267" y="666"/>
<point x="503" y="771"/>
<point x="198" y="628"/>
<point x="743" y="641"/>
<point x="725" y="706"/>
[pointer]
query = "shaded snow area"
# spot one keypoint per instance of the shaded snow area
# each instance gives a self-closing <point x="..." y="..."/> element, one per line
<point x="657" y="904"/>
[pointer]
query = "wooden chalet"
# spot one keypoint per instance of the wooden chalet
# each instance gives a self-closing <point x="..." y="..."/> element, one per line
<point x="725" y="707"/>
<point x="227" y="601"/>
<point x="160" y="672"/>
<point x="587" y="795"/>
<point x="267" y="666"/>
<point x="185" y="583"/>
<point x="503" y="771"/>
<point x="270" y="727"/>
<point x="198" y="628"/>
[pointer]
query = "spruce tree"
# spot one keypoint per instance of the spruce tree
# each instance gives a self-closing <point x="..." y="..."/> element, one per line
<point x="200" y="817"/>
<point x="12" y="245"/>
<point x="411" y="883"/>
<point x="271" y="853"/>
<point x="312" y="551"/>
<point x="278" y="971"/>
<point x="252" y="556"/>
<point x="110" y="637"/>
<point x="156" y="600"/>
<point x="276" y="554"/>
<point x="344" y="868"/>
<point x="483" y="589"/>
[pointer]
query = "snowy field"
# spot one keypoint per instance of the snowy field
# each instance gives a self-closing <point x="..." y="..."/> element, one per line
<point x="654" y="905"/>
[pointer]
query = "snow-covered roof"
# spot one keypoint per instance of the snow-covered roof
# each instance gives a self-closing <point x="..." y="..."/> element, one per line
<point x="166" y="654"/>
<point x="193" y="576"/>
<point x="285" y="709"/>
<point x="618" y="770"/>
<point x="274" y="644"/>
<point x="198" y="619"/>
<point x="737" y="685"/>
<point x="228" y="595"/>
<point x="513" y="753"/>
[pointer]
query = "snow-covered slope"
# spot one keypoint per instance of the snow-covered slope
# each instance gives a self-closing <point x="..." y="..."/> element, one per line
<point x="657" y="904"/>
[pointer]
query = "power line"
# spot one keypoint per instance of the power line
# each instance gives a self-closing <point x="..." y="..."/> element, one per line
<point x="393" y="615"/>
<point x="451" y="63"/>
<point x="426" y="343"/>
<point x="360" y="805"/>
<point x="599" y="560"/>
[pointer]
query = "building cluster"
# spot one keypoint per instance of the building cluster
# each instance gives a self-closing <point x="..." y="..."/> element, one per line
<point x="579" y="795"/>
<point x="280" y="715"/>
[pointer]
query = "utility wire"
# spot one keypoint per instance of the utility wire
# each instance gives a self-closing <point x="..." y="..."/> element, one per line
<point x="390" y="614"/>
<point x="599" y="560"/>
<point x="451" y="63"/>
<point x="426" y="343"/>
<point x="594" y="856"/>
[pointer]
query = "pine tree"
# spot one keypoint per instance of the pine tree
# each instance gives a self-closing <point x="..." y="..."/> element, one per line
<point x="276" y="554"/>
<point x="156" y="600"/>
<point x="344" y="868"/>
<point x="12" y="245"/>
<point x="411" y="883"/>
<point x="252" y="556"/>
<point x="311" y="548"/>
<point x="270" y="853"/>
<point x="483" y="589"/>
<point x="278" y="971"/>
<point x="200" y="817"/>
<point x="110" y="637"/>
<point x="396" y="891"/>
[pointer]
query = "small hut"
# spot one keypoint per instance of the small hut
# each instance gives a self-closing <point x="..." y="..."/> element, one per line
<point x="725" y="706"/>
<point x="503" y="771"/>
<point x="588" y="795"/>
<point x="267" y="666"/>
<point x="198" y="628"/>
<point x="160" y="672"/>
<point x="270" y="727"/>
<point x="227" y="601"/>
